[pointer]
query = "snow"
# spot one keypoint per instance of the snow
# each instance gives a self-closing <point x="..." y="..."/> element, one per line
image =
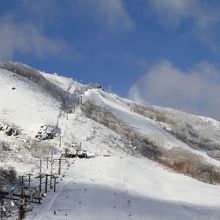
<point x="28" y="107"/>
<point x="211" y="121"/>
<point x="141" y="124"/>
<point x="126" y="187"/>
<point x="120" y="186"/>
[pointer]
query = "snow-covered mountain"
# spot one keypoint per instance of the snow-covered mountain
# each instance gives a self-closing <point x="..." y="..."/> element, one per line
<point x="142" y="152"/>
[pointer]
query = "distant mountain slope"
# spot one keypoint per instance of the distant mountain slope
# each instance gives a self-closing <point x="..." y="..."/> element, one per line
<point x="167" y="128"/>
<point x="153" y="138"/>
<point x="137" y="150"/>
<point x="37" y="106"/>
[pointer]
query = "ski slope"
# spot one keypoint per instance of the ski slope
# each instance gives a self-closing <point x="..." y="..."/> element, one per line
<point x="141" y="124"/>
<point x="125" y="187"/>
<point x="145" y="126"/>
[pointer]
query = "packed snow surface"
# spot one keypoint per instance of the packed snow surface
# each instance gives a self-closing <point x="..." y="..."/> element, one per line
<point x="125" y="187"/>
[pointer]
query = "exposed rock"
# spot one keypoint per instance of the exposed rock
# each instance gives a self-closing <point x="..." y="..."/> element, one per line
<point x="46" y="132"/>
<point x="10" y="130"/>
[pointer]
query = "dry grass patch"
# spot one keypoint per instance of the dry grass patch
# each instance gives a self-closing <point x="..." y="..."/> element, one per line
<point x="190" y="164"/>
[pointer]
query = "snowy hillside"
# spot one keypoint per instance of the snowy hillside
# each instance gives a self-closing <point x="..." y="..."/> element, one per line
<point x="25" y="104"/>
<point x="138" y="150"/>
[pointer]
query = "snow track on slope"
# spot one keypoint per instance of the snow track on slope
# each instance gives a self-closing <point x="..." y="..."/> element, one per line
<point x="141" y="124"/>
<point x="124" y="187"/>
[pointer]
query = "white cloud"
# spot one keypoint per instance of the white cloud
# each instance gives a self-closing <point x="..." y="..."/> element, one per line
<point x="202" y="15"/>
<point x="195" y="90"/>
<point x="26" y="38"/>
<point x="25" y="34"/>
<point x="44" y="11"/>
<point x="112" y="13"/>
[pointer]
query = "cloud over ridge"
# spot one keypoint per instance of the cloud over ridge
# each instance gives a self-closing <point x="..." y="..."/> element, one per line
<point x="195" y="90"/>
<point x="112" y="14"/>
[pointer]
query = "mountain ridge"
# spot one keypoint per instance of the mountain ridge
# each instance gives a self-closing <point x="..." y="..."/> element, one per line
<point x="158" y="130"/>
<point x="140" y="152"/>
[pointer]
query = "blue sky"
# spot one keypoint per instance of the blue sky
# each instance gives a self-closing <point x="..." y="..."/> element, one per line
<point x="163" y="52"/>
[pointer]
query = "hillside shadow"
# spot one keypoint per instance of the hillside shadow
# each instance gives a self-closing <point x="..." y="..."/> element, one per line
<point x="92" y="201"/>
